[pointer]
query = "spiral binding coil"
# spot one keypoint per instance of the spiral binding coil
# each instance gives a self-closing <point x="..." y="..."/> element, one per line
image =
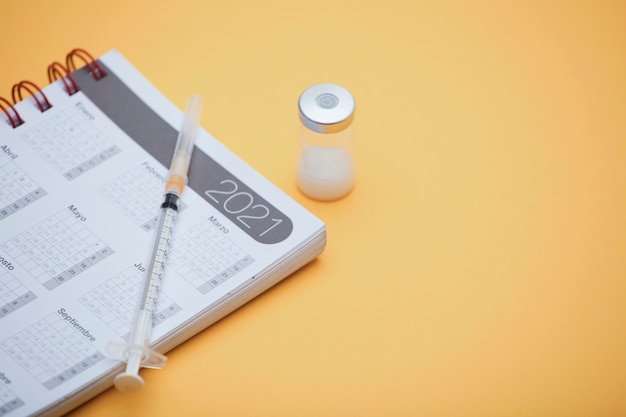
<point x="39" y="96"/>
<point x="15" y="119"/>
<point x="56" y="70"/>
<point x="94" y="66"/>
<point x="54" y="73"/>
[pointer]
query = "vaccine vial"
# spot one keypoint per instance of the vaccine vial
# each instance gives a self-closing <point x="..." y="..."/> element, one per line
<point x="325" y="169"/>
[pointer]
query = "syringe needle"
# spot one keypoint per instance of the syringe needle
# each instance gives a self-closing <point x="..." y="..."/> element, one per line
<point x="137" y="353"/>
<point x="179" y="167"/>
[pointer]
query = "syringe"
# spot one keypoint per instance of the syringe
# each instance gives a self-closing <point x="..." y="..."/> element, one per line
<point x="137" y="353"/>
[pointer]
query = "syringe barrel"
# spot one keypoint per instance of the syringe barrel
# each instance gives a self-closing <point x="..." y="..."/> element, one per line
<point x="160" y="249"/>
<point x="143" y="328"/>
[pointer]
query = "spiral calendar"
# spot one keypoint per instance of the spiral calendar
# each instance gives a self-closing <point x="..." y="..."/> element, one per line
<point x="82" y="167"/>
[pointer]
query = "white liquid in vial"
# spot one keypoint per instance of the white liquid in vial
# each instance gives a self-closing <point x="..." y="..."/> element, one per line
<point x="325" y="173"/>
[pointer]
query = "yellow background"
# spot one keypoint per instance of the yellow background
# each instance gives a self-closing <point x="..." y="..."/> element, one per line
<point x="477" y="269"/>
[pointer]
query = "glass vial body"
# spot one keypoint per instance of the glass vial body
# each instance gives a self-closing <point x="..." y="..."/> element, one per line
<point x="325" y="169"/>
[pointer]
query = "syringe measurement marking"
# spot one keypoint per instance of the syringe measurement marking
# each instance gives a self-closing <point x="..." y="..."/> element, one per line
<point x="157" y="267"/>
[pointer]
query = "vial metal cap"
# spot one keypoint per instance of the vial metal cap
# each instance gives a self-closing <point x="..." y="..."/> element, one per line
<point x="326" y="108"/>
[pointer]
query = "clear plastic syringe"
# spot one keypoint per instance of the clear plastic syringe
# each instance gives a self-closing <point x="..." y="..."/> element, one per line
<point x="137" y="353"/>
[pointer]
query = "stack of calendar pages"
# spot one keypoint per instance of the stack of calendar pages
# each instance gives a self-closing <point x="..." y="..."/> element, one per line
<point x="80" y="188"/>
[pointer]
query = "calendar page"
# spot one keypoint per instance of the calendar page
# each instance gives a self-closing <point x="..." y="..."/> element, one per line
<point x="17" y="189"/>
<point x="81" y="185"/>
